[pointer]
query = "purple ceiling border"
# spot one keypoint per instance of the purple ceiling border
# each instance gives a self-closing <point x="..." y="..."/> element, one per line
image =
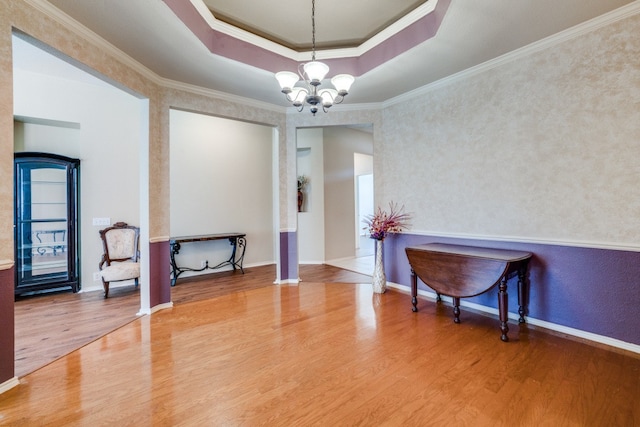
<point x="224" y="45"/>
<point x="410" y="37"/>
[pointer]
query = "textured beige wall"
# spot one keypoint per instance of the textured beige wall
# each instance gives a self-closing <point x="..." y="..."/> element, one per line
<point x="546" y="147"/>
<point x="6" y="137"/>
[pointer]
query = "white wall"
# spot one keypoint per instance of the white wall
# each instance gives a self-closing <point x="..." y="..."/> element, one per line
<point x="221" y="181"/>
<point x="311" y="220"/>
<point x="363" y="165"/>
<point x="43" y="135"/>
<point x="340" y="145"/>
<point x="105" y="139"/>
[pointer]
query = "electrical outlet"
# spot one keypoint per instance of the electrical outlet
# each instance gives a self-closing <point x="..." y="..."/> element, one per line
<point x="203" y="263"/>
<point x="96" y="276"/>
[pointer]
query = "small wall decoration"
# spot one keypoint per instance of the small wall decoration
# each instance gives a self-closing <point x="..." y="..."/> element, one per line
<point x="303" y="180"/>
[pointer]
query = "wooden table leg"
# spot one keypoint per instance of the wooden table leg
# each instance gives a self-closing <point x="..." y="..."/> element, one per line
<point x="503" y="306"/>
<point x="522" y="294"/>
<point x="414" y="291"/>
<point x="456" y="310"/>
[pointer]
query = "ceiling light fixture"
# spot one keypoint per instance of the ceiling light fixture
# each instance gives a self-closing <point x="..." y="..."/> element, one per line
<point x="312" y="74"/>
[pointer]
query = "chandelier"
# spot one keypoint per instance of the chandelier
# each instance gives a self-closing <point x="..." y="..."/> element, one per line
<point x="312" y="73"/>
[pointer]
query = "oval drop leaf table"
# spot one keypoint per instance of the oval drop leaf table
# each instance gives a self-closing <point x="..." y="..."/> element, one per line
<point x="466" y="271"/>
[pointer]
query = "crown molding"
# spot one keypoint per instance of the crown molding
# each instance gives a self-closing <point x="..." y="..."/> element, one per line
<point x="245" y="36"/>
<point x="76" y="27"/>
<point x="223" y="96"/>
<point x="241" y="34"/>
<point x="579" y="30"/>
<point x="412" y="17"/>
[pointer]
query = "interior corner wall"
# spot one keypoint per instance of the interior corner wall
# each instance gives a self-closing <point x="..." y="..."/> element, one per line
<point x="311" y="219"/>
<point x="340" y="144"/>
<point x="221" y="182"/>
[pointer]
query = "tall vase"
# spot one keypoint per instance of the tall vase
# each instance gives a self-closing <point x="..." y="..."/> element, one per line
<point x="300" y="200"/>
<point x="379" y="278"/>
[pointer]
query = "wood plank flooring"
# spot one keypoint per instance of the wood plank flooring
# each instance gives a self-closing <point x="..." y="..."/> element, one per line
<point x="50" y="326"/>
<point x="327" y="354"/>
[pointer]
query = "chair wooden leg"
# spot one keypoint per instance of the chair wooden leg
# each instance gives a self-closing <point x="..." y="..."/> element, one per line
<point x="105" y="285"/>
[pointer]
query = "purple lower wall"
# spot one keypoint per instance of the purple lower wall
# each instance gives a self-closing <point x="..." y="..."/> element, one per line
<point x="7" y="329"/>
<point x="159" y="273"/>
<point x="288" y="255"/>
<point x="593" y="290"/>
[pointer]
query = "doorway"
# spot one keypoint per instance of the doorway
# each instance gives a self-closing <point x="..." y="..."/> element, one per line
<point x="333" y="157"/>
<point x="364" y="209"/>
<point x="61" y="109"/>
<point x="45" y="222"/>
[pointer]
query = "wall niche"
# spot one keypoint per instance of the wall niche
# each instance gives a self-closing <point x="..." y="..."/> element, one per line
<point x="304" y="168"/>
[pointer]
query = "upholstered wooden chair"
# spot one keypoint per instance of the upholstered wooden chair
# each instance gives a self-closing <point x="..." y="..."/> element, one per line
<point x="120" y="260"/>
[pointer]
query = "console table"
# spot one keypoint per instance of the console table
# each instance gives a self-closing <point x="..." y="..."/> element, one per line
<point x="236" y="240"/>
<point x="466" y="271"/>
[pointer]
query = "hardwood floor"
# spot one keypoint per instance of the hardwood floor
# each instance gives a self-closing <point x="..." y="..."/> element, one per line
<point x="50" y="326"/>
<point x="326" y="354"/>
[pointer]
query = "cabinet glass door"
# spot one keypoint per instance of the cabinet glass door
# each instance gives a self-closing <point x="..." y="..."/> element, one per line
<point x="45" y="222"/>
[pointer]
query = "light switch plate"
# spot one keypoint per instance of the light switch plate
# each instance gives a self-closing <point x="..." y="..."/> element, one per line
<point x="101" y="221"/>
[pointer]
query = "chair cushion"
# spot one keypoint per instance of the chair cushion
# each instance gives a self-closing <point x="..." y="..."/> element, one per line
<point x="121" y="243"/>
<point x="121" y="271"/>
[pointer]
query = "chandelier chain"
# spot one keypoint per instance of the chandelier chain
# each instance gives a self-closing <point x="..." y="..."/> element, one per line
<point x="313" y="30"/>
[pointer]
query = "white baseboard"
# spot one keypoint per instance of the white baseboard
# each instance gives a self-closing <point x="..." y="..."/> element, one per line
<point x="157" y="308"/>
<point x="601" y="339"/>
<point x="9" y="384"/>
<point x="287" y="282"/>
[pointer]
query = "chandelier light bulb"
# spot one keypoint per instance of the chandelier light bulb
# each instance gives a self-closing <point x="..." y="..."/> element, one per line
<point x="287" y="80"/>
<point x="315" y="71"/>
<point x="342" y="83"/>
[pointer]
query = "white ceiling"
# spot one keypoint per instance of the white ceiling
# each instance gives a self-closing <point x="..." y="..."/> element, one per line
<point x="471" y="33"/>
